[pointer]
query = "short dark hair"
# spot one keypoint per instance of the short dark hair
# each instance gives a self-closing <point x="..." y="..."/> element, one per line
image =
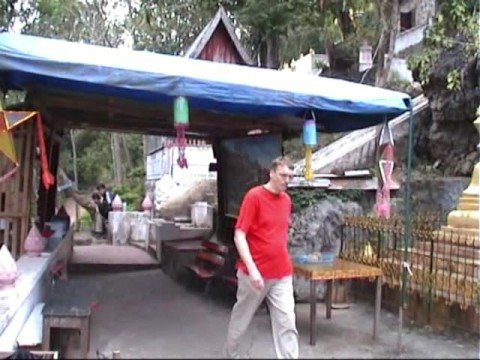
<point x="279" y="161"/>
<point x="101" y="186"/>
<point x="96" y="196"/>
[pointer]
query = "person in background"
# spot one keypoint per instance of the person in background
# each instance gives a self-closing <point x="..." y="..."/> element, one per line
<point x="101" y="215"/>
<point x="107" y="196"/>
<point x="264" y="270"/>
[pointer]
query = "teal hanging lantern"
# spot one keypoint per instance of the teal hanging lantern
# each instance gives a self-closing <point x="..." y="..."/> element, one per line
<point x="180" y="122"/>
<point x="180" y="111"/>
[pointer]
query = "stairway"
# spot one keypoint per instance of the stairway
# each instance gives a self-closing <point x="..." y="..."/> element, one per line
<point x="357" y="149"/>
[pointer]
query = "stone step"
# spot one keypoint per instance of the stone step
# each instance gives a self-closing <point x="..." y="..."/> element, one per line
<point x="464" y="237"/>
<point x="448" y="250"/>
<point x="452" y="264"/>
<point x="452" y="286"/>
<point x="449" y="296"/>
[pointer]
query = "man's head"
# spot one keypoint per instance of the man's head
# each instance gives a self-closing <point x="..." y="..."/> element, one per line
<point x="101" y="188"/>
<point x="281" y="172"/>
<point x="96" y="197"/>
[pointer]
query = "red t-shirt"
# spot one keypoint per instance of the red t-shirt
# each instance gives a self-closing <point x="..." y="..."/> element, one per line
<point x="264" y="218"/>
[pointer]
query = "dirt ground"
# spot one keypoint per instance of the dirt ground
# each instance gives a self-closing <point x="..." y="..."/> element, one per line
<point x="146" y="314"/>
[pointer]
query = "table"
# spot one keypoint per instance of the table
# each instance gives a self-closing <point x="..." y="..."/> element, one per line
<point x="338" y="270"/>
<point x="124" y="226"/>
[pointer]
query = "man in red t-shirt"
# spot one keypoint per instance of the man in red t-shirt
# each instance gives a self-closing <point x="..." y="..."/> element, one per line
<point x="264" y="269"/>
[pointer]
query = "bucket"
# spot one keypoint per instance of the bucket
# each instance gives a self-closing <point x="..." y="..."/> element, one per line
<point x="202" y="214"/>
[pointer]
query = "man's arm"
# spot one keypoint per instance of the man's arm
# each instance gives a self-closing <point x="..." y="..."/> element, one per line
<point x="244" y="253"/>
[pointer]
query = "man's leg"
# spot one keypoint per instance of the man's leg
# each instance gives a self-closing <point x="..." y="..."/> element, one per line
<point x="281" y="304"/>
<point x="248" y="300"/>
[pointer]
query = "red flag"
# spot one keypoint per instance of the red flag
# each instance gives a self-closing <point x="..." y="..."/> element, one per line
<point x="47" y="177"/>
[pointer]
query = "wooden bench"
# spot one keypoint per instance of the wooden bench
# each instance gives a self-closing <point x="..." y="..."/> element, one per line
<point x="208" y="262"/>
<point x="67" y="314"/>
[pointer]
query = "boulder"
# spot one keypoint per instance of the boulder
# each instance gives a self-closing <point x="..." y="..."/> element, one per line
<point x="318" y="228"/>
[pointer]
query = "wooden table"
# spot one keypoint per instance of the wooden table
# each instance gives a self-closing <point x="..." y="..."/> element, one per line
<point x="338" y="270"/>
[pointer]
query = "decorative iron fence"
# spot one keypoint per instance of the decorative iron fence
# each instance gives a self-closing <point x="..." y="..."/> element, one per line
<point x="444" y="262"/>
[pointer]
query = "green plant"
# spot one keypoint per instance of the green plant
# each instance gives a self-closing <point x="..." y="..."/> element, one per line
<point x="453" y="80"/>
<point x="455" y="25"/>
<point x="133" y="192"/>
<point x="85" y="221"/>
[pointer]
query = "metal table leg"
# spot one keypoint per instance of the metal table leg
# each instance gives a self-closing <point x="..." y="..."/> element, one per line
<point x="378" y="304"/>
<point x="313" y="312"/>
<point x="328" y="298"/>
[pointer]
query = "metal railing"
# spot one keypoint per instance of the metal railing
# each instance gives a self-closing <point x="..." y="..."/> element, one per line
<point x="444" y="262"/>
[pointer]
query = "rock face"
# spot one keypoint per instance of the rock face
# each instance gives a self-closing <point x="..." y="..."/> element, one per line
<point x="450" y="134"/>
<point x="179" y="203"/>
<point x="435" y="195"/>
<point x="317" y="228"/>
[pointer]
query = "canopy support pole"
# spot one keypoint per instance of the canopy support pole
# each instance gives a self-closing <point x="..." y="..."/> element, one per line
<point x="405" y="268"/>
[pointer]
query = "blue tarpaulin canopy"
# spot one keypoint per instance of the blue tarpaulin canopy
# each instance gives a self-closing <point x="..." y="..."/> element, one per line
<point x="28" y="62"/>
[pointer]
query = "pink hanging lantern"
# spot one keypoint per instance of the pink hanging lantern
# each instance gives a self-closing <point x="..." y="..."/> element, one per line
<point x="34" y="243"/>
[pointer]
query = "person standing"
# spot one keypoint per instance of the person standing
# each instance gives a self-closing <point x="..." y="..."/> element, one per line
<point x="100" y="216"/>
<point x="264" y="269"/>
<point x="107" y="196"/>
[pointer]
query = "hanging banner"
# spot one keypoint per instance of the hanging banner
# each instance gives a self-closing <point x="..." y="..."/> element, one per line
<point x="385" y="170"/>
<point x="9" y="120"/>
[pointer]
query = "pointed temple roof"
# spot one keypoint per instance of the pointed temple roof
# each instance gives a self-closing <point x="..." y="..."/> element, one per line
<point x="200" y="43"/>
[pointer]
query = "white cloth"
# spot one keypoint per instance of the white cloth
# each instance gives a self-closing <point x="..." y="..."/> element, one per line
<point x="98" y="225"/>
<point x="108" y="197"/>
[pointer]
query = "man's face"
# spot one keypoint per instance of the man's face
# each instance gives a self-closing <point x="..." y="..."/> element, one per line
<point x="280" y="178"/>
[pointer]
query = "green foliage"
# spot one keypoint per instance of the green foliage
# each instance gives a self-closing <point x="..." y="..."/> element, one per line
<point x="303" y="198"/>
<point x="170" y="26"/>
<point x="85" y="221"/>
<point x="455" y="25"/>
<point x="94" y="156"/>
<point x="133" y="192"/>
<point x="421" y="63"/>
<point x="453" y="80"/>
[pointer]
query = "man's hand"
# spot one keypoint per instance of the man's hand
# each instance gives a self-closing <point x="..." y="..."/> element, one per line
<point x="256" y="279"/>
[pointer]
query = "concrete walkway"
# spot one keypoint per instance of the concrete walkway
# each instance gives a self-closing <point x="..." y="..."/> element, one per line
<point x="145" y="314"/>
<point x="111" y="254"/>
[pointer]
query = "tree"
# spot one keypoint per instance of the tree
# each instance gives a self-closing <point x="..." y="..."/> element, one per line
<point x="7" y="14"/>
<point x="389" y="13"/>
<point x="455" y="27"/>
<point x="169" y="26"/>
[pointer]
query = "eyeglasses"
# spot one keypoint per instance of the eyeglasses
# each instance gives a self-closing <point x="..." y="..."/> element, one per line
<point x="286" y="176"/>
